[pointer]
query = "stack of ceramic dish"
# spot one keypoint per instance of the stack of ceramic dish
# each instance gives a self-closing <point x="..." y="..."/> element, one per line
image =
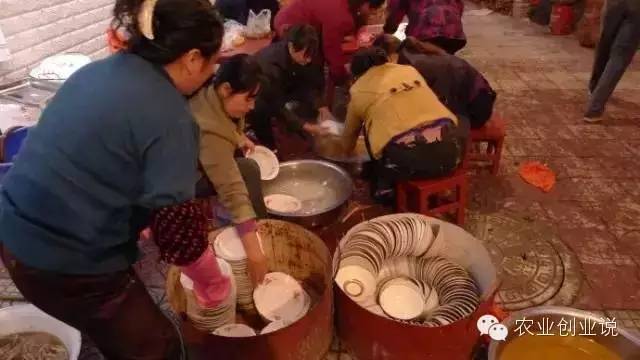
<point x="446" y="290"/>
<point x="228" y="246"/>
<point x="391" y="266"/>
<point x="365" y="247"/>
<point x="209" y="319"/>
<point x="281" y="298"/>
<point x="235" y="330"/>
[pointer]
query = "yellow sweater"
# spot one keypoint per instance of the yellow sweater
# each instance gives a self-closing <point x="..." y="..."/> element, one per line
<point x="389" y="100"/>
<point x="219" y="138"/>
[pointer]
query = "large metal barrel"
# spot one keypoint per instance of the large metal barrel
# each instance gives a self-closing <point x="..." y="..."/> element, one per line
<point x="293" y="250"/>
<point x="371" y="337"/>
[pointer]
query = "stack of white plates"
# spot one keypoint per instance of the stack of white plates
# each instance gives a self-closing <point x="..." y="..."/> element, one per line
<point x="228" y="246"/>
<point x="209" y="319"/>
<point x="368" y="245"/>
<point x="391" y="266"/>
<point x="281" y="298"/>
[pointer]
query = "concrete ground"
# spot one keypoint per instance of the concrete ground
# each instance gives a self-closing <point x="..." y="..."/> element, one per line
<point x="578" y="245"/>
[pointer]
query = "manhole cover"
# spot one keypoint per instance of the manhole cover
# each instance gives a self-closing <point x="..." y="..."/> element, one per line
<point x="530" y="266"/>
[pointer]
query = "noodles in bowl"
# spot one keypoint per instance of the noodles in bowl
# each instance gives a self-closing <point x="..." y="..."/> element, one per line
<point x="32" y="346"/>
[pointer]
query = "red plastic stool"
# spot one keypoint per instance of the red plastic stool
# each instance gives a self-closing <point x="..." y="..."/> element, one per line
<point x="492" y="133"/>
<point x="423" y="189"/>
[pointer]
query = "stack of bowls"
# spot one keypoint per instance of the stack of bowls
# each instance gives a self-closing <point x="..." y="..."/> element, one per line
<point x="393" y="267"/>
<point x="210" y="319"/>
<point x="228" y="246"/>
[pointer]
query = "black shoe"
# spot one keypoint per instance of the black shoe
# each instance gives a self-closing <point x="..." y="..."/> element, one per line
<point x="593" y="118"/>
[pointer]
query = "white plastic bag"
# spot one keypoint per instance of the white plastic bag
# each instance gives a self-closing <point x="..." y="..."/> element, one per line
<point x="259" y="26"/>
<point x="232" y="31"/>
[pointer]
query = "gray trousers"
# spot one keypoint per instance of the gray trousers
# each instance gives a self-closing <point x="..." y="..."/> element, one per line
<point x="618" y="44"/>
<point x="250" y="172"/>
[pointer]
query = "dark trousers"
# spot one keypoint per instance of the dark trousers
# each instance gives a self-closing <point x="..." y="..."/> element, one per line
<point x="250" y="172"/>
<point x="114" y="310"/>
<point x="296" y="111"/>
<point x="419" y="160"/>
<point x="618" y="44"/>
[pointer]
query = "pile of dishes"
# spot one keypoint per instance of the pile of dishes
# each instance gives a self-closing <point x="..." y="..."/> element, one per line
<point x="210" y="319"/>
<point x="228" y="246"/>
<point x="393" y="266"/>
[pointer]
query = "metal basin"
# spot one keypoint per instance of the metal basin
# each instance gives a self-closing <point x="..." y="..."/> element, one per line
<point x="626" y="344"/>
<point x="323" y="189"/>
<point x="329" y="148"/>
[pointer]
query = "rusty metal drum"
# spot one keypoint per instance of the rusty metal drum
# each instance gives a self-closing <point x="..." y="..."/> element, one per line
<point x="293" y="250"/>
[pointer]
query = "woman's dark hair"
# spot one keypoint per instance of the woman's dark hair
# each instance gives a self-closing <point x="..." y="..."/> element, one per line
<point x="393" y="45"/>
<point x="389" y="43"/>
<point x="304" y="37"/>
<point x="178" y="26"/>
<point x="242" y="72"/>
<point x="365" y="59"/>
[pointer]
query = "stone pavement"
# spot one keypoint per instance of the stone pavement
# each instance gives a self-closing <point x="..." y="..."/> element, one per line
<point x="583" y="236"/>
<point x="578" y="245"/>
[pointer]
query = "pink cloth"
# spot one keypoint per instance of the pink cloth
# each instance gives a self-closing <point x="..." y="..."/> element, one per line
<point x="210" y="286"/>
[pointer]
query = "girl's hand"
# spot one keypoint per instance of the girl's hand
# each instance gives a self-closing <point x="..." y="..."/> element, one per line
<point x="315" y="129"/>
<point x="247" y="146"/>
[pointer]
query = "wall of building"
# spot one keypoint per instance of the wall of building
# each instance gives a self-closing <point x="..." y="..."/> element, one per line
<point x="35" y="29"/>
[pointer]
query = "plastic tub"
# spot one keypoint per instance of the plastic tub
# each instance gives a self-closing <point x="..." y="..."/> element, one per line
<point x="23" y="318"/>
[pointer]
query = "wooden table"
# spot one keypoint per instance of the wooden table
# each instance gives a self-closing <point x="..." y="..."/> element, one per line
<point x="250" y="47"/>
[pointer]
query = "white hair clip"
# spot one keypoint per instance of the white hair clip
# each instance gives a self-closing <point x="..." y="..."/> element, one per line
<point x="145" y="18"/>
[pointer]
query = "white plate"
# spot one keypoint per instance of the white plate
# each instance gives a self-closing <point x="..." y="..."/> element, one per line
<point x="283" y="203"/>
<point x="279" y="297"/>
<point x="234" y="330"/>
<point x="400" y="300"/>
<point x="59" y="67"/>
<point x="267" y="161"/>
<point x="275" y="326"/>
<point x="228" y="245"/>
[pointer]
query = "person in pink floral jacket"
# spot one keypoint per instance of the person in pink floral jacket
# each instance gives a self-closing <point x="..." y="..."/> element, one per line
<point x="436" y="21"/>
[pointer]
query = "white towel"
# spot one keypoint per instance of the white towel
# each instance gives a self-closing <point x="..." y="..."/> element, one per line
<point x="5" y="54"/>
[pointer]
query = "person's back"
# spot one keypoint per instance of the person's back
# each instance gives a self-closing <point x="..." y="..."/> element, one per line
<point x="457" y="84"/>
<point x="80" y="176"/>
<point x="394" y="99"/>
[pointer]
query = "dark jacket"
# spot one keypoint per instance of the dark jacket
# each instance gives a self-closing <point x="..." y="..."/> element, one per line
<point x="287" y="81"/>
<point x="331" y="18"/>
<point x="458" y="84"/>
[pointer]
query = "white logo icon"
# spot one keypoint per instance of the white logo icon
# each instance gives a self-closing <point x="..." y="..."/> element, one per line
<point x="485" y="322"/>
<point x="498" y="332"/>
